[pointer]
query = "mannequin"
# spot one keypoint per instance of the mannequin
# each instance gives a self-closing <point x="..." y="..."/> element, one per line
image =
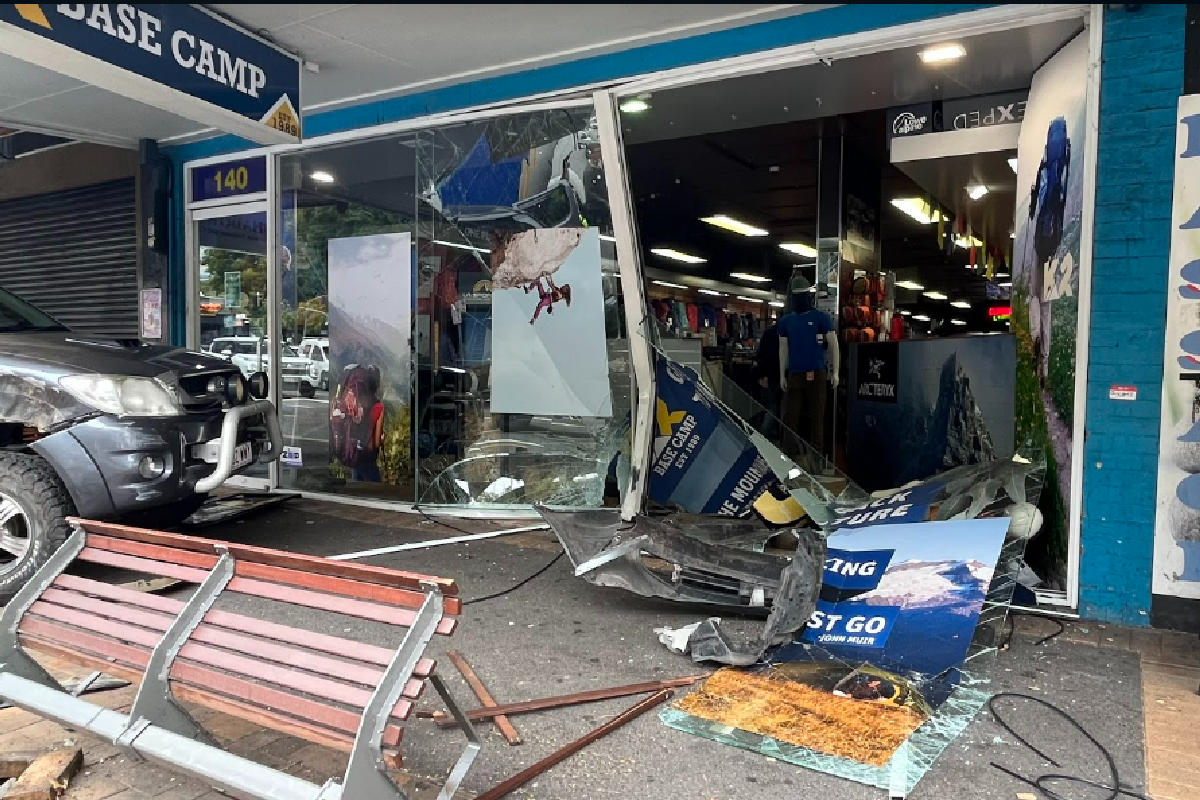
<point x="804" y="335"/>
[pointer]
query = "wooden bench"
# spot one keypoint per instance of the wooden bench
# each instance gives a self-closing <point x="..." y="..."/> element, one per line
<point x="325" y="689"/>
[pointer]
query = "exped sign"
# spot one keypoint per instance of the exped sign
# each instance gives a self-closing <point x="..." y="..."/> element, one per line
<point x="179" y="58"/>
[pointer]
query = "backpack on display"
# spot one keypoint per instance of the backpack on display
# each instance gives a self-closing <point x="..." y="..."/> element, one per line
<point x="351" y="436"/>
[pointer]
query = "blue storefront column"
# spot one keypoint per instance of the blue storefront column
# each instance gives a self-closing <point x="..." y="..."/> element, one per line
<point x="1140" y="83"/>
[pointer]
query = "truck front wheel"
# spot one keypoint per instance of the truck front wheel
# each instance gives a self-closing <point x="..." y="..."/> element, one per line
<point x="34" y="506"/>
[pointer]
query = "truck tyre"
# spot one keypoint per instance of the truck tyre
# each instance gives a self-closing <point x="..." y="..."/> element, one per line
<point x="167" y="516"/>
<point x="34" y="506"/>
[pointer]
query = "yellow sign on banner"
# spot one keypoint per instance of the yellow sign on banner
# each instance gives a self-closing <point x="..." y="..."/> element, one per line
<point x="32" y="12"/>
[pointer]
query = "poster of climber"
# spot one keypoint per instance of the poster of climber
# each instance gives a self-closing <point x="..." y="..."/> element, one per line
<point x="1177" y="522"/>
<point x="370" y="334"/>
<point x="551" y="356"/>
<point x="1045" y="285"/>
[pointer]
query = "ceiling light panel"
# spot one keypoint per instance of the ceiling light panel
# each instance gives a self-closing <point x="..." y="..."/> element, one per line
<point x="745" y="276"/>
<point x="675" y="255"/>
<point x="800" y="249"/>
<point x="935" y="295"/>
<point x="942" y="53"/>
<point x="734" y="225"/>
<point x="913" y="285"/>
<point x="917" y="208"/>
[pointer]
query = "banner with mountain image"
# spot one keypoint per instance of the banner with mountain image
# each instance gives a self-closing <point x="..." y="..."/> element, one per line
<point x="902" y="597"/>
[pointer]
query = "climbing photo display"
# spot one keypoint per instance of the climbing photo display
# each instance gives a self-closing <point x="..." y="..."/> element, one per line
<point x="370" y="325"/>
<point x="1045" y="285"/>
<point x="1177" y="523"/>
<point x="548" y="309"/>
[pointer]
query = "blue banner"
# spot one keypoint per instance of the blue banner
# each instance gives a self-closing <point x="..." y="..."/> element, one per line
<point x="855" y="569"/>
<point x="906" y="505"/>
<point x="703" y="462"/>
<point x="839" y="624"/>
<point x="181" y="47"/>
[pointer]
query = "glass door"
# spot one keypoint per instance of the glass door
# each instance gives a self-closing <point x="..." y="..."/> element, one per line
<point x="228" y="297"/>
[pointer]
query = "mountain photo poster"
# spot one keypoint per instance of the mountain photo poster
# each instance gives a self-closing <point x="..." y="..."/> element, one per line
<point x="903" y="597"/>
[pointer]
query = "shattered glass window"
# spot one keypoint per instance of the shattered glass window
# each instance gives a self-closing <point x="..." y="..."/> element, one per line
<point x="485" y="190"/>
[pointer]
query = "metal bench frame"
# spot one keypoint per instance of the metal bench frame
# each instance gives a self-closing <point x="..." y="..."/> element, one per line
<point x="160" y="730"/>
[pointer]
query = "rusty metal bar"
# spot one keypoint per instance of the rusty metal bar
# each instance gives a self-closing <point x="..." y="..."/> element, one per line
<point x="560" y="701"/>
<point x="485" y="698"/>
<point x="526" y="775"/>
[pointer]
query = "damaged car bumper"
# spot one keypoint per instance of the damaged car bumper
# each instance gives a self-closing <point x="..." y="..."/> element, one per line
<point x="114" y="466"/>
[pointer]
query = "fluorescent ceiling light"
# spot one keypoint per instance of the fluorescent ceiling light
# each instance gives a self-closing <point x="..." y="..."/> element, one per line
<point x="934" y="295"/>
<point x="750" y="299"/>
<point x="961" y="304"/>
<point x="921" y="317"/>
<point x="1012" y="234"/>
<point x="967" y="241"/>
<point x="713" y="292"/>
<point x="917" y="208"/>
<point x="800" y="249"/>
<point x="670" y="285"/>
<point x="977" y="191"/>
<point x="744" y="276"/>
<point x="731" y="224"/>
<point x="675" y="255"/>
<point x="1012" y="164"/>
<point x="776" y="304"/>
<point x="321" y="176"/>
<point x="460" y="246"/>
<point x="1002" y="275"/>
<point x="1005" y="285"/>
<point x="941" y="53"/>
<point x="916" y="287"/>
<point x="904" y="312"/>
<point x="957" y="322"/>
<point x="635" y="105"/>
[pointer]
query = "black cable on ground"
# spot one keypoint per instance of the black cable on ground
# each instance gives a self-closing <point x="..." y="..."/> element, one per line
<point x="1115" y="788"/>
<point x="513" y="588"/>
<point x="1012" y="627"/>
<point x="430" y="518"/>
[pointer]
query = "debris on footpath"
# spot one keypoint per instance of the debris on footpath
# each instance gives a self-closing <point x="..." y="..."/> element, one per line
<point x="45" y="777"/>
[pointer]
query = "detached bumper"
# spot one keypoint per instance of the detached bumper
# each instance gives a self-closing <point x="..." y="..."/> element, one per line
<point x="99" y="459"/>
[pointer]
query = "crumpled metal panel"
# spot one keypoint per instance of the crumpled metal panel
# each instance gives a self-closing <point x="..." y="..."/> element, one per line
<point x="607" y="551"/>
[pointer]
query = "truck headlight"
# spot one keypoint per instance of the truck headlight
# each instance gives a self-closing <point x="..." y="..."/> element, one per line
<point x="123" y="396"/>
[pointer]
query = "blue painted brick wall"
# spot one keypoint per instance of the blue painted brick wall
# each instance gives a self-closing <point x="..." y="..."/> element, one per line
<point x="1140" y="83"/>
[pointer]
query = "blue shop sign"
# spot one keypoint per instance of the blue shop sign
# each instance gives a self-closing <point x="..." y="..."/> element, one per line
<point x="229" y="179"/>
<point x="180" y="58"/>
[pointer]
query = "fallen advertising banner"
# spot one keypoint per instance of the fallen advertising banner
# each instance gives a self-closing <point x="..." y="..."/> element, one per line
<point x="703" y="462"/>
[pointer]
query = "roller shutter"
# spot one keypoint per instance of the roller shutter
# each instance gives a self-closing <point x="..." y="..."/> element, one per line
<point x="74" y="255"/>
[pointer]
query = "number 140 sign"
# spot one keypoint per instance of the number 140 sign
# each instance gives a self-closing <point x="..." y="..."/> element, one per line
<point x="229" y="179"/>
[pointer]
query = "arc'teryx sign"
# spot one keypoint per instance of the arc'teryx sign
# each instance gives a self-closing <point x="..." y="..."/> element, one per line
<point x="179" y="58"/>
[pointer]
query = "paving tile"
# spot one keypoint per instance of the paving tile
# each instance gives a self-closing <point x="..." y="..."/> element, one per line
<point x="1116" y="639"/>
<point x="12" y="719"/>
<point x="1080" y="633"/>
<point x="1172" y="711"/>
<point x="95" y="785"/>
<point x="42" y="735"/>
<point x="1147" y="642"/>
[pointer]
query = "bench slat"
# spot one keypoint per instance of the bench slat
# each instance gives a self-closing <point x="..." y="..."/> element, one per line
<point x="57" y="605"/>
<point x="290" y="577"/>
<point x="268" y="700"/>
<point x="271" y="591"/>
<point x="235" y="622"/>
<point x="336" y="739"/>
<point x="262" y="555"/>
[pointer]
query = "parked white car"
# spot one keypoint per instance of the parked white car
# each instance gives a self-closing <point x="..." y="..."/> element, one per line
<point x="316" y="351"/>
<point x="251" y="354"/>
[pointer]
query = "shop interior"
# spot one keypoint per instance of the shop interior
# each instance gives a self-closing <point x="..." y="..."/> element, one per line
<point x="743" y="185"/>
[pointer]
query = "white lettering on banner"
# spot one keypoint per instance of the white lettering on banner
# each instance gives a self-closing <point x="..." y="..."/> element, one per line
<point x="746" y="484"/>
<point x="127" y="23"/>
<point x="190" y="52"/>
<point x="850" y="568"/>
<point x="996" y="115"/>
<point x="180" y="59"/>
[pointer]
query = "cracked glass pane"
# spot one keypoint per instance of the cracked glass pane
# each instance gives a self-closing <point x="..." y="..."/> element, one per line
<point x="505" y="205"/>
<point x="882" y="754"/>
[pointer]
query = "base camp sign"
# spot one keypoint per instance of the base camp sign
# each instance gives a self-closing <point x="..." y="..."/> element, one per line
<point x="179" y="58"/>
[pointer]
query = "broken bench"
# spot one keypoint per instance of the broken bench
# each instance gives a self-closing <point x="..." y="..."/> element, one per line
<point x="324" y="689"/>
